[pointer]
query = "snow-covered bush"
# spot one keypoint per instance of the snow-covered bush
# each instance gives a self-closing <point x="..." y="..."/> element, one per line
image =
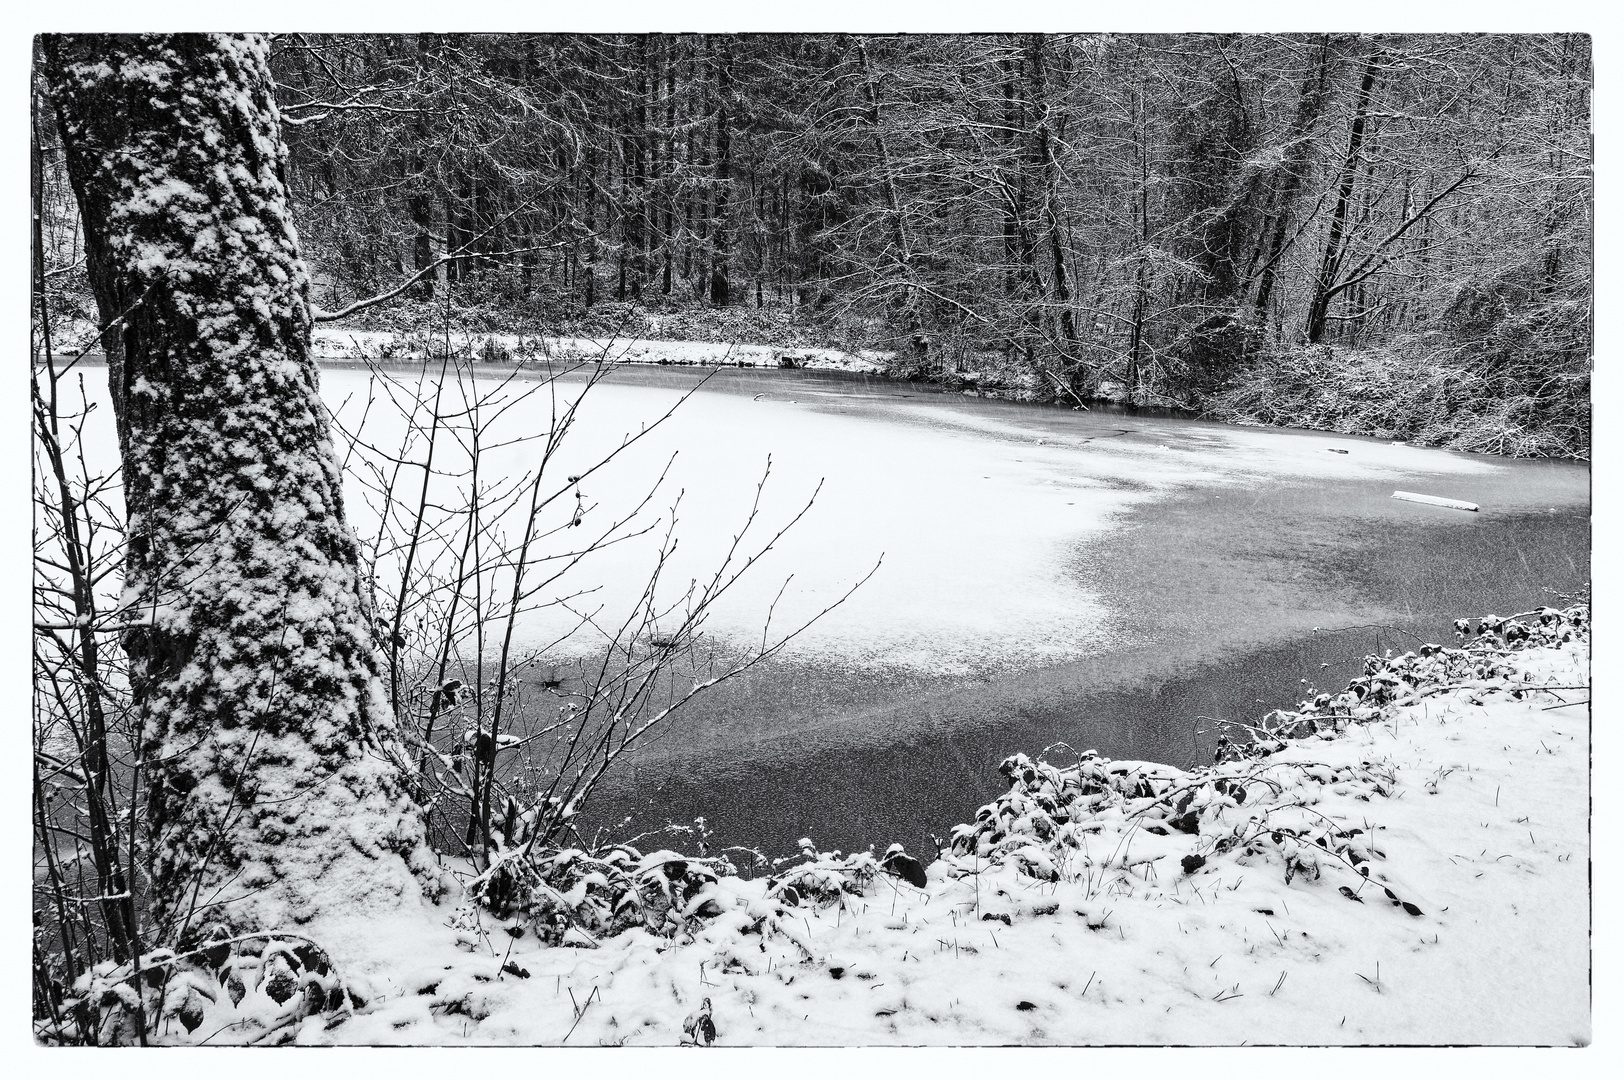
<point x="264" y="987"/>
<point x="822" y="878"/>
<point x="572" y="896"/>
<point x="1073" y="823"/>
<point x="1077" y="821"/>
<point x="1479" y="664"/>
<point x="1422" y="388"/>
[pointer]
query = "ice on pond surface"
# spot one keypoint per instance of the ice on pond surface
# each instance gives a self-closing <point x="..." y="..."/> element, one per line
<point x="975" y="519"/>
<point x="974" y="524"/>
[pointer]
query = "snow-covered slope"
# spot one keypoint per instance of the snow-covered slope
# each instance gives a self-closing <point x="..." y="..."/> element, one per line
<point x="1478" y="811"/>
<point x="1416" y="876"/>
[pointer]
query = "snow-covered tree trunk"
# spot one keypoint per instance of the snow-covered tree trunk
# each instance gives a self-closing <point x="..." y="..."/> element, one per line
<point x="276" y="792"/>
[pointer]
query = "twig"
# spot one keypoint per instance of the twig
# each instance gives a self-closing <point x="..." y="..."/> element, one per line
<point x="579" y="1012"/>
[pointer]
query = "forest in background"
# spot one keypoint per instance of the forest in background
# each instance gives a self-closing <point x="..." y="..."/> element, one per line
<point x="1378" y="234"/>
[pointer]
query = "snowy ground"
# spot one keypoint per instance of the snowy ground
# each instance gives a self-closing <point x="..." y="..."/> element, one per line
<point x="1466" y="806"/>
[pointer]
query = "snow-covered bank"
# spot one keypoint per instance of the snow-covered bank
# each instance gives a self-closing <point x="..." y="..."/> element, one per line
<point x="334" y="343"/>
<point x="1413" y="869"/>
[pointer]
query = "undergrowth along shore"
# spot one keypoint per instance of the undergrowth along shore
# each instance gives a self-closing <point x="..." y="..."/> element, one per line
<point x="1094" y="901"/>
<point x="1409" y="394"/>
<point x="1423" y="389"/>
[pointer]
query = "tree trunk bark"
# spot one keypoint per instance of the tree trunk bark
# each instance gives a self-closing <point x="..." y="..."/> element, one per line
<point x="699" y="157"/>
<point x="638" y="242"/>
<point x="902" y="249"/>
<point x="666" y="197"/>
<point x="589" y="265"/>
<point x="1012" y="203"/>
<point x="1049" y="171"/>
<point x="1141" y="294"/>
<point x="1294" y="166"/>
<point x="1320" y="305"/>
<point x="724" y="156"/>
<point x="419" y="202"/>
<point x="277" y="788"/>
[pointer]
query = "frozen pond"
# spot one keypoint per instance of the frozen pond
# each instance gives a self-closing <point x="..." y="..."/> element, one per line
<point x="1044" y="575"/>
<point x="990" y="523"/>
<point x="1094" y="578"/>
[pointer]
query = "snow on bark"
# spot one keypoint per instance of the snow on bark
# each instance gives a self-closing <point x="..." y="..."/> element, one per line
<point x="275" y="789"/>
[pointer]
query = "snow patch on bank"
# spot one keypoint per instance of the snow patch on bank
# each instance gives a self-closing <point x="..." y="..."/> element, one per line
<point x="333" y="343"/>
